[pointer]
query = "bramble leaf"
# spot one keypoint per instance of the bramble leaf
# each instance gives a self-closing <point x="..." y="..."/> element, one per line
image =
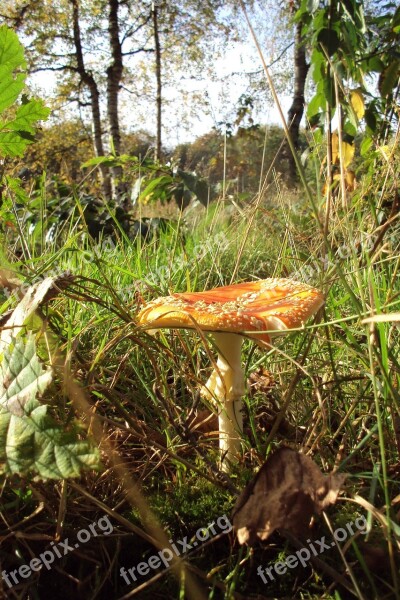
<point x="12" y="51"/>
<point x="27" y="114"/>
<point x="17" y="131"/>
<point x="30" y="439"/>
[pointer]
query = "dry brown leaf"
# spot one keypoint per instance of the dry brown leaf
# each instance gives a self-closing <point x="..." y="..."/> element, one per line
<point x="288" y="489"/>
<point x="31" y="300"/>
<point x="261" y="381"/>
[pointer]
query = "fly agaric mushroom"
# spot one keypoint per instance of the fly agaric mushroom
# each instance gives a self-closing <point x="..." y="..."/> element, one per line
<point x="256" y="310"/>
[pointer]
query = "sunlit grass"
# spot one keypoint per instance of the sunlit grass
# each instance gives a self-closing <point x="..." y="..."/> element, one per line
<point x="333" y="386"/>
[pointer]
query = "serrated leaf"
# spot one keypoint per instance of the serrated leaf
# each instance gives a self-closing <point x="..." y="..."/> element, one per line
<point x="357" y="102"/>
<point x="30" y="440"/>
<point x="35" y="444"/>
<point x="11" y="50"/>
<point x="27" y="114"/>
<point x="14" y="143"/>
<point x="18" y="132"/>
<point x="10" y="86"/>
<point x="11" y="57"/>
<point x="22" y="376"/>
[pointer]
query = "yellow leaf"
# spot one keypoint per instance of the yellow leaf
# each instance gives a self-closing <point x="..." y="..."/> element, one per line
<point x="357" y="102"/>
<point x="347" y="151"/>
<point x="335" y="148"/>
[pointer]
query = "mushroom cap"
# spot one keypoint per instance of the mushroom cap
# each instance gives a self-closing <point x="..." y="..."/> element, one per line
<point x="256" y="306"/>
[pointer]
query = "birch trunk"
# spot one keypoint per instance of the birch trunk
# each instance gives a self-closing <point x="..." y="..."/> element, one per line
<point x="88" y="79"/>
<point x="157" y="154"/>
<point x="114" y="77"/>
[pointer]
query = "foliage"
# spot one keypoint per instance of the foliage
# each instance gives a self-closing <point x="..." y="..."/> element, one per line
<point x="244" y="157"/>
<point x="31" y="441"/>
<point x="156" y="182"/>
<point x="17" y="122"/>
<point x="331" y="388"/>
<point x="60" y="150"/>
<point x="349" y="48"/>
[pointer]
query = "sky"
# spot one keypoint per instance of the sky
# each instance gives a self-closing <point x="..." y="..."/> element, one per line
<point x="185" y="121"/>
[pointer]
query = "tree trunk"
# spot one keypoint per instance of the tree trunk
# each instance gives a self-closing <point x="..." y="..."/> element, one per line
<point x="114" y="76"/>
<point x="157" y="154"/>
<point x="88" y="79"/>
<point x="296" y="110"/>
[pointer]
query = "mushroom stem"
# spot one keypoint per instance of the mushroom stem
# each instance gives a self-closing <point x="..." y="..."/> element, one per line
<point x="226" y="387"/>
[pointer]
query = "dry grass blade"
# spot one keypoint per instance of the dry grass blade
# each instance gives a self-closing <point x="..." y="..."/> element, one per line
<point x="387" y="318"/>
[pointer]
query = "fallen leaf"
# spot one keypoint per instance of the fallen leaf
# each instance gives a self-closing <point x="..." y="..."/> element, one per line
<point x="286" y="492"/>
<point x="260" y="381"/>
<point x="27" y="306"/>
<point x="204" y="422"/>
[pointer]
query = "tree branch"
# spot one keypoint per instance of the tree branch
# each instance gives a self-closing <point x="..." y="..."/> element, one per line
<point x="61" y="68"/>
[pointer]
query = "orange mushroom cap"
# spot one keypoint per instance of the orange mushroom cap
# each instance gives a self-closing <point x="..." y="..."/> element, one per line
<point x="240" y="308"/>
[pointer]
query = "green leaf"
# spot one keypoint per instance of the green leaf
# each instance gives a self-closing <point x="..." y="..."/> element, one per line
<point x="11" y="58"/>
<point x="316" y="103"/>
<point x="11" y="50"/>
<point x="365" y="145"/>
<point x="10" y="86"/>
<point x="35" y="443"/>
<point x="196" y="185"/>
<point x="370" y="118"/>
<point x="320" y="20"/>
<point x="16" y="133"/>
<point x="14" y="143"/>
<point x="374" y="63"/>
<point x="329" y="39"/>
<point x="350" y="130"/>
<point x="30" y="440"/>
<point x="27" y="114"/>
<point x="156" y="188"/>
<point x="108" y="161"/>
<point x="389" y="78"/>
<point x="329" y="92"/>
<point x="355" y="13"/>
<point x="396" y="20"/>
<point x="318" y="65"/>
<point x="21" y="376"/>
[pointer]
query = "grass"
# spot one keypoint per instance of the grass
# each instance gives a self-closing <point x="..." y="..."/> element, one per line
<point x="330" y="390"/>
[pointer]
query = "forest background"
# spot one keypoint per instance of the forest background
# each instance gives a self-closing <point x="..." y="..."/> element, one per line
<point x="103" y="208"/>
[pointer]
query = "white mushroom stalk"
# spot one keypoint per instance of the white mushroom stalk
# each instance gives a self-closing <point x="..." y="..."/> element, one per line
<point x="226" y="388"/>
<point x="254" y="308"/>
